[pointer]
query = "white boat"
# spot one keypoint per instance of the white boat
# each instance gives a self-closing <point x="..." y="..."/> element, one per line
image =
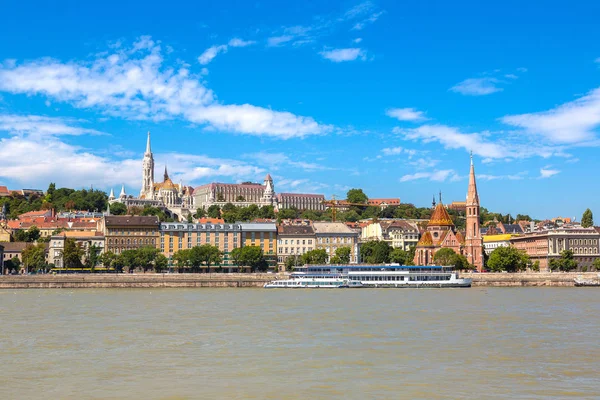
<point x="579" y="281"/>
<point x="376" y="276"/>
<point x="313" y="282"/>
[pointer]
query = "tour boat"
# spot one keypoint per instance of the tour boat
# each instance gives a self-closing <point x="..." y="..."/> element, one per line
<point x="300" y="281"/>
<point x="579" y="281"/>
<point x="376" y="276"/>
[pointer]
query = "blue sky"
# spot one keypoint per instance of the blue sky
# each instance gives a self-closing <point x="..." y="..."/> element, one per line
<point x="387" y="96"/>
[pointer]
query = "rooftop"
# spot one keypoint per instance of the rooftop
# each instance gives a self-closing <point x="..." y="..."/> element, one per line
<point x="131" y="220"/>
<point x="332" y="227"/>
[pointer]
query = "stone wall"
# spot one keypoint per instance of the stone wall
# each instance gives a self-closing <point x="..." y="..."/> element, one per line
<point x="528" y="279"/>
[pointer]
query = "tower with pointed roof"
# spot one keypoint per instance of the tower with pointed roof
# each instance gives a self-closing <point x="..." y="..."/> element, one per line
<point x="269" y="191"/>
<point x="473" y="239"/>
<point x="147" y="191"/>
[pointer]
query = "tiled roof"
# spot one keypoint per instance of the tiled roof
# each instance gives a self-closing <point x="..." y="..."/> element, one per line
<point x="426" y="240"/>
<point x="14" y="246"/>
<point x="331" y="227"/>
<point x="295" y="230"/>
<point x="440" y="217"/>
<point x="131" y="220"/>
<point x="378" y="202"/>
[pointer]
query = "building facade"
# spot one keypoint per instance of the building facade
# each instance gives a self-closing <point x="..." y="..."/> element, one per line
<point x="83" y="239"/>
<point x="263" y="235"/>
<point x="397" y="233"/>
<point x="127" y="232"/>
<point x="332" y="235"/>
<point x="547" y="245"/>
<point x="294" y="241"/>
<point x="176" y="236"/>
<point x="492" y="242"/>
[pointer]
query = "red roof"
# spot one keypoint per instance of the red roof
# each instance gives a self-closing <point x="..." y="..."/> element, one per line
<point x="378" y="202"/>
<point x="4" y="191"/>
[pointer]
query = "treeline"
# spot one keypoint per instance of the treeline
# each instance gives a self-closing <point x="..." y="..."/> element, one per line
<point x="62" y="199"/>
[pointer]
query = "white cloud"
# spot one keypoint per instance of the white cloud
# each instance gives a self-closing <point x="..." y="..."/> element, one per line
<point x="341" y="55"/>
<point x="392" y="151"/>
<point x="406" y="114"/>
<point x="546" y="172"/>
<point x="357" y="40"/>
<point x="237" y="42"/>
<point x="359" y="10"/>
<point x="569" y="123"/>
<point x="436" y="176"/>
<point x="452" y="138"/>
<point x="477" y="86"/>
<point x="41" y="126"/>
<point x="279" y="40"/>
<point x="274" y="161"/>
<point x="135" y="83"/>
<point x="512" y="177"/>
<point x="372" y="18"/>
<point x="210" y="53"/>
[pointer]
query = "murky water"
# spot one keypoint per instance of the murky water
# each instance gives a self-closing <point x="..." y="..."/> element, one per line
<point x="478" y="343"/>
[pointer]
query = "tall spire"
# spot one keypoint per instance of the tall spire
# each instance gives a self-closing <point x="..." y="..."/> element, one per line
<point x="122" y="192"/>
<point x="148" y="147"/>
<point x="472" y="195"/>
<point x="473" y="239"/>
<point x="112" y="194"/>
<point x="166" y="173"/>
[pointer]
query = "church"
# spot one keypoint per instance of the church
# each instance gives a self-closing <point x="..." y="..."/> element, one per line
<point x="441" y="232"/>
<point x="172" y="197"/>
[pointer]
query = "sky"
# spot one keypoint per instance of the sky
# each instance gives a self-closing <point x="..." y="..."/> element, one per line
<point x="387" y="96"/>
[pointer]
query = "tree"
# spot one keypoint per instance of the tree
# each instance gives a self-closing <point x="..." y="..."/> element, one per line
<point x="92" y="258"/>
<point x="343" y="253"/>
<point x="399" y="256"/>
<point x="596" y="264"/>
<point x="508" y="259"/>
<point x="145" y="257"/>
<point x="356" y="196"/>
<point x="375" y="252"/>
<point x="182" y="259"/>
<point x="161" y="262"/>
<point x="34" y="257"/>
<point x="565" y="263"/>
<point x="12" y="264"/>
<point x="253" y="256"/>
<point x="521" y="217"/>
<point x="33" y="233"/>
<point x="118" y="209"/>
<point x="214" y="211"/>
<point x="200" y="213"/>
<point x="587" y="219"/>
<point x="207" y="254"/>
<point x="335" y="260"/>
<point x="316" y="256"/>
<point x="108" y="259"/>
<point x="291" y="262"/>
<point x="444" y="257"/>
<point x="236" y="256"/>
<point x="72" y="254"/>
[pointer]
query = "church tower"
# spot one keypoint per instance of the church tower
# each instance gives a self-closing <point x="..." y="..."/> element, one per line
<point x="269" y="193"/>
<point x="473" y="239"/>
<point x="147" y="191"/>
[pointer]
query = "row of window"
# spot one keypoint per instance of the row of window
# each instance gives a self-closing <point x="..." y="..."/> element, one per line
<point x="341" y="240"/>
<point x="304" y="241"/>
<point x="132" y="241"/>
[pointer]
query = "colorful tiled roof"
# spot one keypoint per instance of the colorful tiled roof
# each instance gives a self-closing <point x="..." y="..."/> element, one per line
<point x="440" y="217"/>
<point x="426" y="240"/>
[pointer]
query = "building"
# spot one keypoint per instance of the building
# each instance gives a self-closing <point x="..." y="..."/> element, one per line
<point x="397" y="233"/>
<point x="5" y="232"/>
<point x="263" y="235"/>
<point x="2" y="259"/>
<point x="441" y="232"/>
<point x="301" y="201"/>
<point x="176" y="236"/>
<point x="492" y="242"/>
<point x="84" y="239"/>
<point x="49" y="226"/>
<point x="547" y="245"/>
<point x="172" y="197"/>
<point x="383" y="203"/>
<point x="457" y="206"/>
<point x="332" y="235"/>
<point x="294" y="241"/>
<point x="14" y="249"/>
<point x="127" y="232"/>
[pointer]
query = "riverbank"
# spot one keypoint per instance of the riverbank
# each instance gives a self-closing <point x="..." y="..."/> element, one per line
<point x="73" y="281"/>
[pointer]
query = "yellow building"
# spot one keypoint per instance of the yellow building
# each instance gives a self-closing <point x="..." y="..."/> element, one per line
<point x="176" y="236"/>
<point x="263" y="235"/>
<point x="492" y="242"/>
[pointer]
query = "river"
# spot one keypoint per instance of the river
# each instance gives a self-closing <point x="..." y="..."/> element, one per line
<point x="478" y="343"/>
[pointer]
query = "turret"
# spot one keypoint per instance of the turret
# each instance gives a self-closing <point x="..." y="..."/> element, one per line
<point x="123" y="194"/>
<point x="112" y="194"/>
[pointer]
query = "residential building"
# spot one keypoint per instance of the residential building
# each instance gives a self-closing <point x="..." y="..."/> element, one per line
<point x="49" y="226"/>
<point x="294" y="241"/>
<point x="83" y="239"/>
<point x="14" y="249"/>
<point x="383" y="203"/>
<point x="263" y="235"/>
<point x="333" y="235"/>
<point x="1" y="259"/>
<point x="301" y="201"/>
<point x="176" y="236"/>
<point x="492" y="242"/>
<point x="398" y="233"/>
<point x="128" y="232"/>
<point x="547" y="245"/>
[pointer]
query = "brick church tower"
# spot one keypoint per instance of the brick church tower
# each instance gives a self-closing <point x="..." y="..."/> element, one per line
<point x="473" y="239"/>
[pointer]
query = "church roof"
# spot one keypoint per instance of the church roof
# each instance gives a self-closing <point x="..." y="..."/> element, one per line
<point x="440" y="217"/>
<point x="460" y="237"/>
<point x="426" y="240"/>
<point x="167" y="184"/>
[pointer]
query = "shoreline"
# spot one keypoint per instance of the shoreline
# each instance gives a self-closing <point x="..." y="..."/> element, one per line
<point x="215" y="280"/>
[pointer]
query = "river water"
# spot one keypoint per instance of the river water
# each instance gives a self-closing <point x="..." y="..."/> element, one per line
<point x="478" y="343"/>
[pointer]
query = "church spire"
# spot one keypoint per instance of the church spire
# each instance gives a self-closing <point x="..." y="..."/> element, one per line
<point x="473" y="239"/>
<point x="112" y="194"/>
<point x="472" y="195"/>
<point x="166" y="173"/>
<point x="123" y="194"/>
<point x="148" y="147"/>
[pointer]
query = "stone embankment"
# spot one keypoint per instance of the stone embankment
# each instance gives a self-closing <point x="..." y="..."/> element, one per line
<point x="528" y="279"/>
<point x="72" y="281"/>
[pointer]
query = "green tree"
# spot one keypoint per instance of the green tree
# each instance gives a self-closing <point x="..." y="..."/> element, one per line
<point x="292" y="261"/>
<point x="343" y="253"/>
<point x="236" y="256"/>
<point x="316" y="256"/>
<point x="508" y="259"/>
<point x="253" y="256"/>
<point x="535" y="266"/>
<point x="399" y="256"/>
<point x="288" y="213"/>
<point x="596" y="264"/>
<point x="521" y="217"/>
<point x="72" y="254"/>
<point x="207" y="254"/>
<point x="214" y="211"/>
<point x="108" y="259"/>
<point x="200" y="213"/>
<point x="118" y="209"/>
<point x="33" y="233"/>
<point x="565" y="263"/>
<point x="356" y="196"/>
<point x="350" y="216"/>
<point x="375" y="252"/>
<point x="160" y="262"/>
<point x="34" y="257"/>
<point x="128" y="259"/>
<point x="444" y="257"/>
<point x="183" y="259"/>
<point x="587" y="220"/>
<point x="12" y="264"/>
<point x="335" y="260"/>
<point x="92" y="258"/>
